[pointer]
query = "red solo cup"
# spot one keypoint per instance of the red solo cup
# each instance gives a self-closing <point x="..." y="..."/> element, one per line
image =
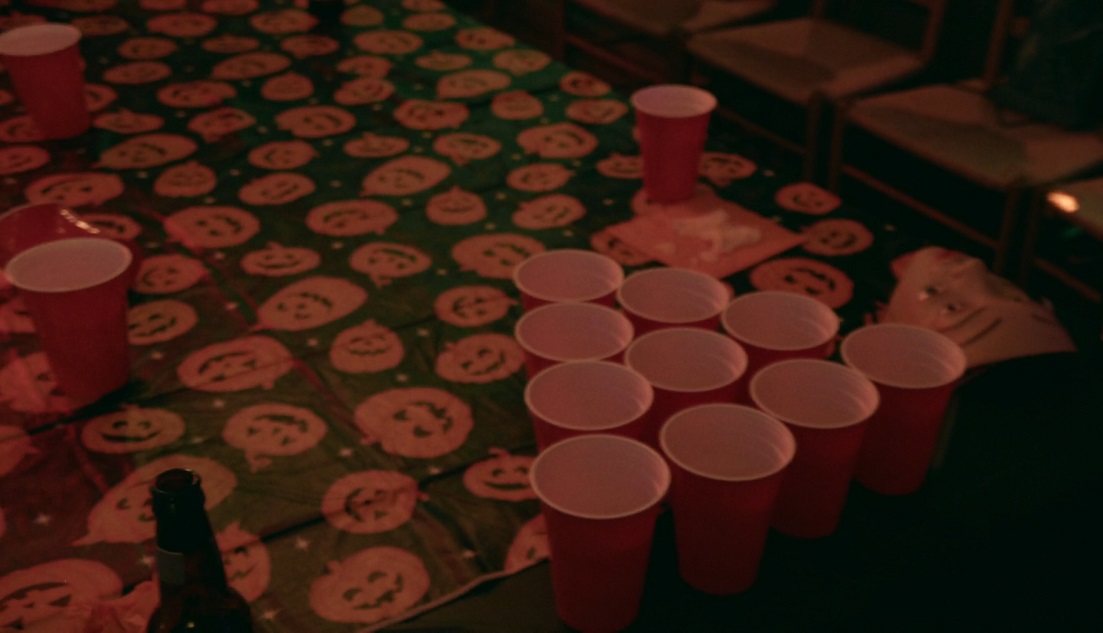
<point x="600" y="495"/>
<point x="75" y="291"/>
<point x="560" y="332"/>
<point x="916" y="371"/>
<point x="47" y="73"/>
<point x="686" y="367"/>
<point x="567" y="275"/>
<point x="727" y="462"/>
<point x="826" y="405"/>
<point x="673" y="122"/>
<point x="669" y="297"/>
<point x="579" y="397"/>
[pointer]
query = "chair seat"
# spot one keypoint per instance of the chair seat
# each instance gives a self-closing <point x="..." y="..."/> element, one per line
<point x="657" y="19"/>
<point x="777" y="55"/>
<point x="957" y="127"/>
<point x="717" y="13"/>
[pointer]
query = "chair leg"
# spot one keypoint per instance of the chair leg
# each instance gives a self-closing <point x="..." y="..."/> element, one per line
<point x="1009" y="224"/>
<point x="812" y="137"/>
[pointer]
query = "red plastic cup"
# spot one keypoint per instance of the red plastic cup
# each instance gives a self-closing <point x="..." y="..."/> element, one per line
<point x="686" y="367"/>
<point x="75" y="291"/>
<point x="826" y="405"/>
<point x="773" y="325"/>
<point x="561" y="332"/>
<point x="46" y="70"/>
<point x="600" y="495"/>
<point x="727" y="462"/>
<point x="580" y="397"/>
<point x="670" y="297"/>
<point x="673" y="122"/>
<point x="567" y="275"/>
<point x="916" y="371"/>
<point x="32" y="224"/>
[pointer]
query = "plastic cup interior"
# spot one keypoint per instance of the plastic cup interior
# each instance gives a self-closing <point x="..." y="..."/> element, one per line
<point x="687" y="359"/>
<point x="588" y="395"/>
<point x="727" y="442"/>
<point x="38" y="39"/>
<point x="573" y="331"/>
<point x="673" y="101"/>
<point x="814" y="393"/>
<point x="68" y="265"/>
<point x="906" y="356"/>
<point x="779" y="320"/>
<point x="568" y="275"/>
<point x="673" y="295"/>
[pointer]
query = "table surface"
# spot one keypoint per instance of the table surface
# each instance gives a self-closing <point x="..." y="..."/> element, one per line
<point x="321" y="324"/>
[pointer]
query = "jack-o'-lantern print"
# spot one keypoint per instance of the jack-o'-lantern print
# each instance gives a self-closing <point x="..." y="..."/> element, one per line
<point x="387" y="42"/>
<point x="273" y="429"/>
<point x="127" y="122"/>
<point x="495" y="255"/>
<point x="236" y="365"/>
<point x="246" y="561"/>
<point x="583" y="84"/>
<point x="279" y="155"/>
<point x="422" y="422"/>
<point x="230" y="7"/>
<point x="404" y="175"/>
<point x="230" y="44"/>
<point x="212" y="226"/>
<point x="721" y="169"/>
<point x="283" y="21"/>
<point x="366" y="348"/>
<point x="280" y="261"/>
<point x="483" y="38"/>
<point x="596" y="111"/>
<point x="362" y="15"/>
<point x="455" y="207"/>
<point x="622" y="252"/>
<point x="621" y="166"/>
<point x="465" y="84"/>
<point x="363" y="90"/>
<point x="75" y="189"/>
<point x="310" y="303"/>
<point x="98" y="96"/>
<point x="559" y="140"/>
<point x="805" y="197"/>
<point x="418" y="114"/>
<point x="443" y="62"/>
<point x="423" y="5"/>
<point x="100" y="25"/>
<point x="250" y="65"/>
<point x="14" y="317"/>
<point x="147" y="150"/>
<point x="195" y="94"/>
<point x="20" y="129"/>
<point x="428" y="22"/>
<point x="804" y="276"/>
<point x="472" y="306"/>
<point x="516" y="105"/>
<point x="539" y="177"/>
<point x="529" y="546"/>
<point x="342" y="218"/>
<point x="521" y="61"/>
<point x="504" y="477"/>
<point x="276" y="188"/>
<point x="81" y="6"/>
<point x="17" y="159"/>
<point x="371" y="145"/>
<point x="289" y="86"/>
<point x="15" y="444"/>
<point x="370" y="501"/>
<point x="315" y="121"/>
<point x="215" y="124"/>
<point x="182" y="25"/>
<point x="309" y="45"/>
<point x="462" y="147"/>
<point x="137" y="73"/>
<point x="146" y="48"/>
<point x="383" y="262"/>
<point x="125" y="513"/>
<point x="113" y="225"/>
<point x="164" y="274"/>
<point x="550" y="211"/>
<point x="163" y="5"/>
<point x="27" y="384"/>
<point x="365" y="66"/>
<point x="186" y="180"/>
<point x="370" y="586"/>
<point x="159" y="321"/>
<point x="837" y="236"/>
<point x="480" y="358"/>
<point x="131" y="430"/>
<point x="46" y="590"/>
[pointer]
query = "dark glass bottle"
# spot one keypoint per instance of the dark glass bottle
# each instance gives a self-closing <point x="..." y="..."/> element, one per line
<point x="195" y="597"/>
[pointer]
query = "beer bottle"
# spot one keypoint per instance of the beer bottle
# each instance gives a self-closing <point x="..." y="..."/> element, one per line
<point x="195" y="596"/>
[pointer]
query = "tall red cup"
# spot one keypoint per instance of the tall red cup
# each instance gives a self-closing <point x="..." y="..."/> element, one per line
<point x="671" y="297"/>
<point x="47" y="73"/>
<point x="673" y="122"/>
<point x="566" y="275"/>
<point x="727" y="463"/>
<point x="75" y="290"/>
<point x="31" y="224"/>
<point x="600" y="496"/>
<point x="561" y="332"/>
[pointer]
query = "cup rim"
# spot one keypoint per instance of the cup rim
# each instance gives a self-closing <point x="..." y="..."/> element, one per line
<point x="954" y="367"/>
<point x="787" y="442"/>
<point x="606" y="261"/>
<point x="708" y="101"/>
<point x="813" y="305"/>
<point x="63" y="36"/>
<point x="740" y="368"/>
<point x="580" y="306"/>
<point x="604" y="364"/>
<point x="99" y="242"/>
<point x="858" y="417"/>
<point x="723" y="296"/>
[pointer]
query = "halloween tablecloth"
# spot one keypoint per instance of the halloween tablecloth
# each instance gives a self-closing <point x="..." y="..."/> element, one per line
<point x="321" y="325"/>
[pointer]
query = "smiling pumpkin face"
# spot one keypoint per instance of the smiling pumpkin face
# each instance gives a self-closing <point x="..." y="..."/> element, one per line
<point x="220" y="122"/>
<point x="186" y="180"/>
<point x="419" y="114"/>
<point x="455" y="207"/>
<point x="315" y="121"/>
<point x="212" y="226"/>
<point x="147" y="150"/>
<point x="559" y="140"/>
<point x="516" y="105"/>
<point x="387" y="42"/>
<point x="480" y="358"/>
<point x="268" y="429"/>
<point x="280" y="155"/>
<point x="465" y="84"/>
<point x="195" y="94"/>
<point x="371" y="145"/>
<point x="495" y="255"/>
<point x="75" y="189"/>
<point x="159" y="321"/>
<point x="365" y="66"/>
<point x="20" y="158"/>
<point x="366" y="348"/>
<point x="245" y="557"/>
<point x="462" y="147"/>
<point x="280" y="261"/>
<point x="472" y="306"/>
<point x="310" y="303"/>
<point x="289" y="86"/>
<point x="539" y="177"/>
<point x="370" y="501"/>
<point x="363" y="90"/>
<point x="807" y="198"/>
<point x="35" y="593"/>
<point x="276" y="188"/>
<point x="550" y="211"/>
<point x="370" y="586"/>
<point x="503" y="476"/>
<point x="422" y="422"/>
<point x="529" y="546"/>
<point x="131" y="430"/>
<point x="163" y="274"/>
<point x="596" y="111"/>
<point x="804" y="276"/>
<point x="236" y="365"/>
<point x="250" y="66"/>
<point x="384" y="262"/>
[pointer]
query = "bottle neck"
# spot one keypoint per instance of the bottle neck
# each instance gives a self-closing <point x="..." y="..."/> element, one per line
<point x="187" y="553"/>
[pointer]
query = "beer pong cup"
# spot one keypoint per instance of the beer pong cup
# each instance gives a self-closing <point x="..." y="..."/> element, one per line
<point x="915" y="370"/>
<point x="559" y="332"/>
<point x="566" y="275"/>
<point x="686" y="367"/>
<point x="579" y="397"/>
<point x="727" y="462"/>
<point x="31" y="224"/>
<point x="600" y="496"/>
<point x="826" y="405"/>
<point x="75" y="291"/>
<point x="672" y="121"/>
<point x="47" y="73"/>
<point x="669" y="297"/>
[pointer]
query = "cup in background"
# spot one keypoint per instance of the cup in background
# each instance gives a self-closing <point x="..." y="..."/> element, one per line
<point x="826" y="405"/>
<point x="75" y="290"/>
<point x="560" y="332"/>
<point x="47" y="73"/>
<point x="600" y="496"/>
<point x="727" y="463"/>
<point x="673" y="121"/>
<point x="566" y="275"/>
<point x="669" y="297"/>
<point x="916" y="371"/>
